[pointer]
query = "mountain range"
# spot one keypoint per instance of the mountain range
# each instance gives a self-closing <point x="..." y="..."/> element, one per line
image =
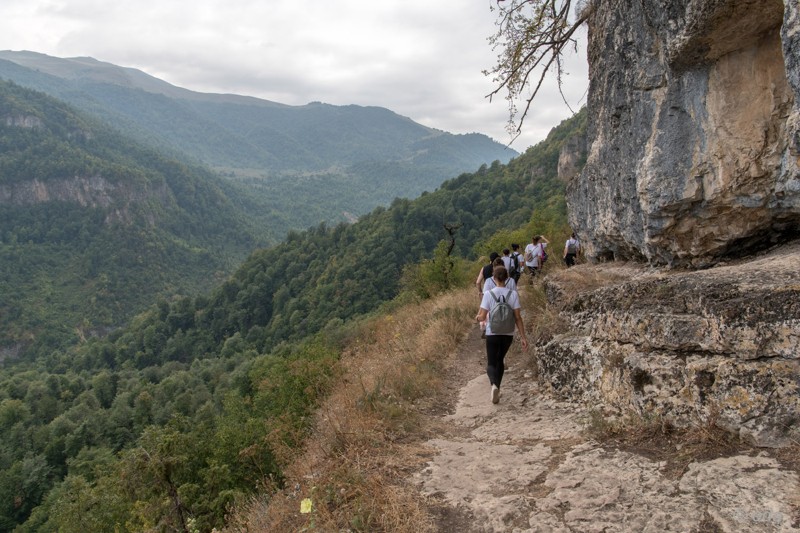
<point x="248" y="137"/>
<point x="117" y="188"/>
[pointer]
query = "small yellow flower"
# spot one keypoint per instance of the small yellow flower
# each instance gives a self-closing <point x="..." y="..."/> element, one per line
<point x="305" y="506"/>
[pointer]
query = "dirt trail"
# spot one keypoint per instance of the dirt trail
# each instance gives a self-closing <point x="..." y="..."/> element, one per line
<point x="527" y="465"/>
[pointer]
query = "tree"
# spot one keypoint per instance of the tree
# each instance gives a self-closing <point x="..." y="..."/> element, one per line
<point x="532" y="36"/>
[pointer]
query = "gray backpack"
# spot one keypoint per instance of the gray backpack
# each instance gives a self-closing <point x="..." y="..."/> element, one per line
<point x="572" y="246"/>
<point x="501" y="316"/>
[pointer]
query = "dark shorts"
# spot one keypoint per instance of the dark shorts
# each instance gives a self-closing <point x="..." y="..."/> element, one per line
<point x="569" y="259"/>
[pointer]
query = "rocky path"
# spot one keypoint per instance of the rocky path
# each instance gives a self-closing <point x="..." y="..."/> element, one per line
<point x="527" y="465"/>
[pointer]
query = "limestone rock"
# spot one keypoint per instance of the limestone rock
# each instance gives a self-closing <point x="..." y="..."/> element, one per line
<point x="720" y="345"/>
<point x="693" y="130"/>
<point x="115" y="198"/>
<point x="571" y="158"/>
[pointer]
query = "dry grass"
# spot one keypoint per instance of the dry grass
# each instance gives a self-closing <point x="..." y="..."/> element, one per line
<point x="367" y="437"/>
<point x="590" y="277"/>
<point x="542" y="320"/>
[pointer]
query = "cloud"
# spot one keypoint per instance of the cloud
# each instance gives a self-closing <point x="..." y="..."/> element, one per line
<point x="419" y="58"/>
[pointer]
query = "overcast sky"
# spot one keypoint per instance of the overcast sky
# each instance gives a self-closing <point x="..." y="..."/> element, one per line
<point x="420" y="58"/>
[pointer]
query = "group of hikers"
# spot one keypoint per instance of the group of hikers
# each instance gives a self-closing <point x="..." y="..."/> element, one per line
<point x="500" y="311"/>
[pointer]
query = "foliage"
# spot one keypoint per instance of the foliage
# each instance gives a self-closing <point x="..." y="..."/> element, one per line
<point x="166" y="423"/>
<point x="434" y="276"/>
<point x="532" y="36"/>
<point x="93" y="228"/>
<point x="154" y="448"/>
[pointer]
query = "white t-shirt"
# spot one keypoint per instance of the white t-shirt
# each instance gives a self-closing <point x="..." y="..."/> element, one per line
<point x="512" y="298"/>
<point x="490" y="284"/>
<point x="536" y="250"/>
<point x="509" y="263"/>
<point x="575" y="242"/>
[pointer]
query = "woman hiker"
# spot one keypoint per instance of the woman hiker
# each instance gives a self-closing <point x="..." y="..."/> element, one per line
<point x="571" y="250"/>
<point x="534" y="253"/>
<point x="498" y="342"/>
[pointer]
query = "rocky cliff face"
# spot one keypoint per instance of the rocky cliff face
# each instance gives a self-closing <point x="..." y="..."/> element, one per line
<point x="693" y="151"/>
<point x="694" y="130"/>
<point x="23" y="121"/>
<point x="721" y="344"/>
<point x="93" y="191"/>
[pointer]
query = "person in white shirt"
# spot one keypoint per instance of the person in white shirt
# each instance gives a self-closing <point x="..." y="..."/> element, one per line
<point x="533" y="254"/>
<point x="497" y="345"/>
<point x="485" y="273"/>
<point x="571" y="250"/>
<point x="491" y="283"/>
<point x="507" y="261"/>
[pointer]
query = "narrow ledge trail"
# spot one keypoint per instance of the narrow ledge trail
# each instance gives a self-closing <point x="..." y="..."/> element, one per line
<point x="527" y="465"/>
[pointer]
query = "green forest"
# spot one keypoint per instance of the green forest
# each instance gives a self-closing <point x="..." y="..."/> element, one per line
<point x="164" y="423"/>
<point x="118" y="226"/>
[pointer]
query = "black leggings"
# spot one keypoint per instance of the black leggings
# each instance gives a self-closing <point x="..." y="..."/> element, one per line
<point x="496" y="348"/>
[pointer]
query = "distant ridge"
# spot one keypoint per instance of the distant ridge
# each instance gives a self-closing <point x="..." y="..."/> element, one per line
<point x="240" y="132"/>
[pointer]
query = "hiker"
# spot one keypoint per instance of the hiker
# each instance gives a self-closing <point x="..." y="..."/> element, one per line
<point x="517" y="263"/>
<point x="501" y="310"/>
<point x="486" y="272"/>
<point x="571" y="250"/>
<point x="508" y="262"/>
<point x="491" y="283"/>
<point x="483" y="275"/>
<point x="534" y="254"/>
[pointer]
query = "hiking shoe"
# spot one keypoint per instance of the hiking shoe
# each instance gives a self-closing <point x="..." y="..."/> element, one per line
<point x="495" y="394"/>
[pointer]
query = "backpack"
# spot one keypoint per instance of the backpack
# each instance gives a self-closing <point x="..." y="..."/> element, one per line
<point x="544" y="256"/>
<point x="572" y="246"/>
<point x="501" y="316"/>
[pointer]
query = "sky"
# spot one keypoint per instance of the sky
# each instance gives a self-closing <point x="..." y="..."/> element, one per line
<point x="423" y="59"/>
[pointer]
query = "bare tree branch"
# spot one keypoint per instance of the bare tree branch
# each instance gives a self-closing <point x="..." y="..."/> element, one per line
<point x="532" y="36"/>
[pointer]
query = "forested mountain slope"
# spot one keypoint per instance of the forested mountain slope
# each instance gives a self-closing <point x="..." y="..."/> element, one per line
<point x="94" y="227"/>
<point x="309" y="163"/>
<point x="185" y="411"/>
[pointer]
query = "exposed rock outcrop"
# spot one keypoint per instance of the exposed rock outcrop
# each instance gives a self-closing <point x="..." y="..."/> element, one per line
<point x="94" y="191"/>
<point x="693" y="132"/>
<point x="790" y="35"/>
<point x="526" y="465"/>
<point x="572" y="158"/>
<point x="23" y="121"/>
<point x="720" y="344"/>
